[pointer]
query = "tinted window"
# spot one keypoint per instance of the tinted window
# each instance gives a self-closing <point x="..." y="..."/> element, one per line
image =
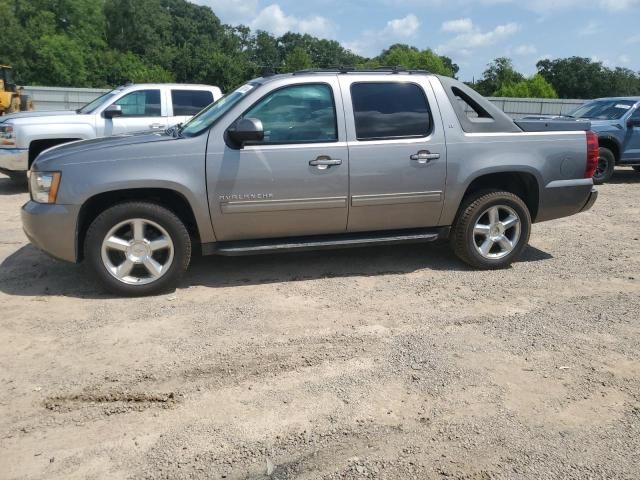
<point x="297" y="114"/>
<point x="636" y="115"/>
<point x="390" y="110"/>
<point x="190" y="102"/>
<point x="143" y="103"/>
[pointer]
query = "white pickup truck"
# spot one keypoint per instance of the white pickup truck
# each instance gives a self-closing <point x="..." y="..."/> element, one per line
<point x="127" y="109"/>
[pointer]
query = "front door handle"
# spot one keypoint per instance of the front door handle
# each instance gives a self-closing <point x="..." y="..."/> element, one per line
<point x="156" y="125"/>
<point x="424" y="156"/>
<point x="323" y="162"/>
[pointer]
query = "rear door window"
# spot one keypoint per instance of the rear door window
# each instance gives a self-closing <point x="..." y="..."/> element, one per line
<point x="190" y="102"/>
<point x="390" y="110"/>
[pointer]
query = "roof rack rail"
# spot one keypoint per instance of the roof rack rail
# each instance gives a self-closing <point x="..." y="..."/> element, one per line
<point x="350" y="69"/>
<point x="337" y="69"/>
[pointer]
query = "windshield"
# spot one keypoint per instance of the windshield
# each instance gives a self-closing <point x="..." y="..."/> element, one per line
<point x="604" y="109"/>
<point x="101" y="100"/>
<point x="207" y="117"/>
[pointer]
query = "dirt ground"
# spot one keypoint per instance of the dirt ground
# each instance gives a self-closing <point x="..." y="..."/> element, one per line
<point x="392" y="363"/>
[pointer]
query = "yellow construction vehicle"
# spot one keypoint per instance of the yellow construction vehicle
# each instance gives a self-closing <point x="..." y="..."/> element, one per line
<point x="12" y="98"/>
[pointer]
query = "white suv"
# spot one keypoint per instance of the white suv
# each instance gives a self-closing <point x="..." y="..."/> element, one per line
<point x="131" y="108"/>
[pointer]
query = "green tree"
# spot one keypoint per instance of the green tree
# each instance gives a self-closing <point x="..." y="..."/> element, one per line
<point x="410" y="57"/>
<point x="453" y="67"/>
<point x="297" y="59"/>
<point x="623" y="82"/>
<point x="534" y="87"/>
<point x="322" y="52"/>
<point x="264" y="51"/>
<point x="107" y="42"/>
<point x="540" y="88"/>
<point x="119" y="68"/>
<point x="499" y="73"/>
<point x="578" y="77"/>
<point x="61" y="60"/>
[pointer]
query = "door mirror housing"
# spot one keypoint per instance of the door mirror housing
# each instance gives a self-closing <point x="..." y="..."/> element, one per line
<point x="112" y="111"/>
<point x="246" y="130"/>
<point x="633" y="122"/>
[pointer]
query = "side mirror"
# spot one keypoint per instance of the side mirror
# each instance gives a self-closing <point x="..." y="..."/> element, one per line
<point x="112" y="111"/>
<point x="633" y="122"/>
<point x="247" y="130"/>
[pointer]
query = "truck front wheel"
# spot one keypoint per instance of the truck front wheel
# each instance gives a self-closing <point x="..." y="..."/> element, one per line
<point x="606" y="165"/>
<point x="137" y="248"/>
<point x="491" y="230"/>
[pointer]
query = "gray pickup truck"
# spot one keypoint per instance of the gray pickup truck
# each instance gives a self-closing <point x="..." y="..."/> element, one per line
<point x="309" y="160"/>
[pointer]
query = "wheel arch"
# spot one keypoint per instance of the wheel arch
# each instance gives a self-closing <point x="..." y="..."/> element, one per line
<point x="170" y="199"/>
<point x="613" y="144"/>
<point x="36" y="147"/>
<point x="521" y="183"/>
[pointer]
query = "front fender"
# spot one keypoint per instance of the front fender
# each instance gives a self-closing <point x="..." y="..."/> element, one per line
<point x="171" y="165"/>
<point x="27" y="134"/>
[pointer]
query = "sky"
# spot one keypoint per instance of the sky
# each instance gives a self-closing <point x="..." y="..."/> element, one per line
<point x="471" y="32"/>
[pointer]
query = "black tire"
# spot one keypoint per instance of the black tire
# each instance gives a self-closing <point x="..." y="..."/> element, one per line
<point x="636" y="168"/>
<point x="464" y="240"/>
<point x="606" y="166"/>
<point x="152" y="212"/>
<point x="19" y="178"/>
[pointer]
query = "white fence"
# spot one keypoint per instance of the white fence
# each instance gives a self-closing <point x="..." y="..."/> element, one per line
<point x="520" y="107"/>
<point x="59" y="98"/>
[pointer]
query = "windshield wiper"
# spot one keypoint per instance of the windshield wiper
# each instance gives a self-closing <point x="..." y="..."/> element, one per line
<point x="174" y="130"/>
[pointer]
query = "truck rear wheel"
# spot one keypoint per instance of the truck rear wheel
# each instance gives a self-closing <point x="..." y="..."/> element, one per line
<point x="491" y="230"/>
<point x="606" y="165"/>
<point x="137" y="248"/>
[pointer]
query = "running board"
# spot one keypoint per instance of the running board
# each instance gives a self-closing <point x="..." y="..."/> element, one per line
<point x="297" y="244"/>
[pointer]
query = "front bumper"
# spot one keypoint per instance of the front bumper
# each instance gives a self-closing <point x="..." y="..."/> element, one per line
<point x="563" y="198"/>
<point x="14" y="160"/>
<point x="52" y="228"/>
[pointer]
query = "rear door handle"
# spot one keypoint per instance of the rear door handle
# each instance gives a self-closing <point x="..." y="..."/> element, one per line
<point x="324" y="162"/>
<point x="156" y="125"/>
<point x="424" y="156"/>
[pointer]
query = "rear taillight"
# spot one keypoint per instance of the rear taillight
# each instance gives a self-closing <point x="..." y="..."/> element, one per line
<point x="593" y="153"/>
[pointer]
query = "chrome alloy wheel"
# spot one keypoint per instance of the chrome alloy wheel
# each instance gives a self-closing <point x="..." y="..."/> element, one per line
<point x="137" y="251"/>
<point x="497" y="232"/>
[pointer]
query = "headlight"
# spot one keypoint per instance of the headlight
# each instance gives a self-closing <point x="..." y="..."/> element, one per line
<point x="44" y="186"/>
<point x="7" y="135"/>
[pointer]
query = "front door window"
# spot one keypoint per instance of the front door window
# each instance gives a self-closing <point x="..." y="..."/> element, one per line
<point x="143" y="103"/>
<point x="297" y="114"/>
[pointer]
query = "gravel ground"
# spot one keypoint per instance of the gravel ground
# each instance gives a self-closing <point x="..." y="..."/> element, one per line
<point x="390" y="363"/>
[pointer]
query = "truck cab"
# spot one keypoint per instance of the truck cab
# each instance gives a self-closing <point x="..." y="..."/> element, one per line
<point x="126" y="109"/>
